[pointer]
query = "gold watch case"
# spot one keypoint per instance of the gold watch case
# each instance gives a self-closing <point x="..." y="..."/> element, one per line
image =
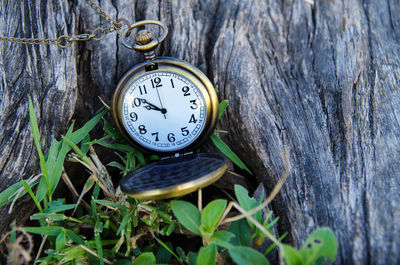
<point x="180" y="171"/>
<point x="175" y="66"/>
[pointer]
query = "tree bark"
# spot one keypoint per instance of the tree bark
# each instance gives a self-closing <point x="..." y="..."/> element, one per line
<point x="47" y="74"/>
<point x="320" y="80"/>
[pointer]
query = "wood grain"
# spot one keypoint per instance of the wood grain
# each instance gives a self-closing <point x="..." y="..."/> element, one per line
<point x="319" y="80"/>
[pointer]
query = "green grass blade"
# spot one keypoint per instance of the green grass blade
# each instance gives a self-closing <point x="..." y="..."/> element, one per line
<point x="61" y="240"/>
<point x="273" y="245"/>
<point x="36" y="139"/>
<point x="6" y="195"/>
<point x="85" y="145"/>
<point x="99" y="140"/>
<point x="224" y="148"/>
<point x="59" y="208"/>
<point x="119" y="147"/>
<point x="79" y="134"/>
<point x="111" y="204"/>
<point x="53" y="217"/>
<point x="13" y="235"/>
<point x="51" y="162"/>
<point x="97" y="230"/>
<point x="77" y="150"/>
<point x="125" y="220"/>
<point x="45" y="230"/>
<point x="222" y="107"/>
<point x="74" y="237"/>
<point x="168" y="249"/>
<point x="51" y="157"/>
<point x="29" y="190"/>
<point x="56" y="174"/>
<point x="117" y="165"/>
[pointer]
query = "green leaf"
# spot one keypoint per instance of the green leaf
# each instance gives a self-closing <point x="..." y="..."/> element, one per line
<point x="5" y="195"/>
<point x="122" y="262"/>
<point x="292" y="256"/>
<point x="61" y="240"/>
<point x="167" y="248"/>
<point x="247" y="256"/>
<point x="273" y="245"/>
<point x="271" y="224"/>
<point x="50" y="216"/>
<point x="13" y="235"/>
<point x="97" y="239"/>
<point x="181" y="253"/>
<point x="81" y="133"/>
<point x="36" y="139"/>
<point x="224" y="148"/>
<point x="45" y="230"/>
<point x="77" y="150"/>
<point x="110" y="130"/>
<point x="222" y="238"/>
<point x="51" y="159"/>
<point x="140" y="157"/>
<point x="74" y="253"/>
<point x="321" y="243"/>
<point x="54" y="208"/>
<point x="74" y="237"/>
<point x="188" y="215"/>
<point x="211" y="214"/>
<point x="85" y="144"/>
<point x="247" y="203"/>
<point x="93" y="206"/>
<point x="222" y="107"/>
<point x="146" y="258"/>
<point x="125" y="220"/>
<point x="29" y="190"/>
<point x="163" y="255"/>
<point x="207" y="255"/>
<point x="117" y="165"/>
<point x="111" y="204"/>
<point x="170" y="229"/>
<point x="240" y="228"/>
<point x="58" y="168"/>
<point x="119" y="147"/>
<point x="191" y="258"/>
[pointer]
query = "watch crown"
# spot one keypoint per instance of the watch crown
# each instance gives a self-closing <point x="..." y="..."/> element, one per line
<point x="143" y="37"/>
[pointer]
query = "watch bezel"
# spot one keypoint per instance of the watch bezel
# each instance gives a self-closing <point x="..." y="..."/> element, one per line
<point x="174" y="65"/>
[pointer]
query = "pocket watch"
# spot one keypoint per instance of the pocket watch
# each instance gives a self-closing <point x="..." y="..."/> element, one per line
<point x="168" y="107"/>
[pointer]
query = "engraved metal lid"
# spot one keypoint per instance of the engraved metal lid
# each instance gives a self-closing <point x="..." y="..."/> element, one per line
<point x="174" y="176"/>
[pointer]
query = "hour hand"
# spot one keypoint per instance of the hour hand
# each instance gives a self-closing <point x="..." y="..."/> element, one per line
<point x="152" y="106"/>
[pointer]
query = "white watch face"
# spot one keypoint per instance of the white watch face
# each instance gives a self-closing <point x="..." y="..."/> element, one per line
<point x="163" y="111"/>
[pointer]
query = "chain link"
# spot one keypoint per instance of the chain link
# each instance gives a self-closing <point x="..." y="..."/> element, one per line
<point x="65" y="41"/>
<point x="103" y="14"/>
<point x="29" y="41"/>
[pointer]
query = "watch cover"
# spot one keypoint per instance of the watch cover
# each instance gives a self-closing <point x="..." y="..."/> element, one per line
<point x="174" y="176"/>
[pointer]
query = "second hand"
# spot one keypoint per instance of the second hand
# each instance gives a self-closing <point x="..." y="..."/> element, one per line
<point x="159" y="98"/>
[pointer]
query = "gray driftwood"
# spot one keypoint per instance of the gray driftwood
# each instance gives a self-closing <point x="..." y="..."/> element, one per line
<point x="321" y="81"/>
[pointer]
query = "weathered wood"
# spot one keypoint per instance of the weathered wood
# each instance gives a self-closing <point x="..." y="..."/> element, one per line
<point x="321" y="81"/>
<point x="47" y="74"/>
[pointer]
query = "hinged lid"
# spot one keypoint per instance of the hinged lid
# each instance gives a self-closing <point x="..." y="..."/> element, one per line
<point x="175" y="176"/>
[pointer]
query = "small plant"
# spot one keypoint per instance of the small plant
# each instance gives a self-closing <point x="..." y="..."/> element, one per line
<point x="103" y="226"/>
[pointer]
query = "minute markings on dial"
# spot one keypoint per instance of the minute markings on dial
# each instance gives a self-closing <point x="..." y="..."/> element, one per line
<point x="186" y="113"/>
